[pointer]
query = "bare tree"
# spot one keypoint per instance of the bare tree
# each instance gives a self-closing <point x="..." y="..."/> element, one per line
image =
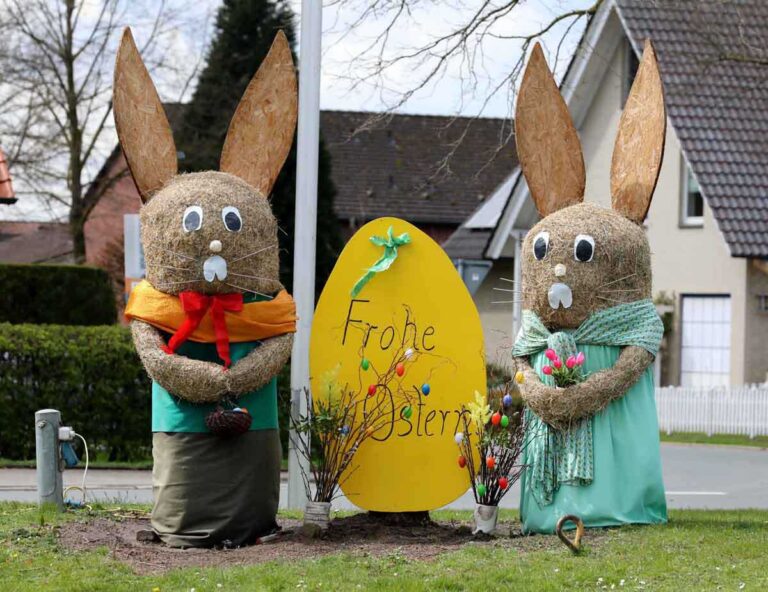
<point x="459" y="49"/>
<point x="56" y="61"/>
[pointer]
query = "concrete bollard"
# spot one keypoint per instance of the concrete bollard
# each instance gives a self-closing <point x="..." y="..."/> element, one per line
<point x="49" y="470"/>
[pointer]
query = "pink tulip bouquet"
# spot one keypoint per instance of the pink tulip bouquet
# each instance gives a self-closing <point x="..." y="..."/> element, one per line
<point x="564" y="373"/>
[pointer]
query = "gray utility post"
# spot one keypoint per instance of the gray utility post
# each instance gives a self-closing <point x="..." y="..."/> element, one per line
<point x="49" y="477"/>
<point x="305" y="230"/>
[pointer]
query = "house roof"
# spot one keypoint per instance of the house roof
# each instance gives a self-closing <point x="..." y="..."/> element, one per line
<point x="34" y="242"/>
<point x="467" y="243"/>
<point x="390" y="170"/>
<point x="7" y="195"/>
<point x="718" y="107"/>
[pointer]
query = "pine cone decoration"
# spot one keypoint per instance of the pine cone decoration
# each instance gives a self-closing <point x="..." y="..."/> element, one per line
<point x="228" y="422"/>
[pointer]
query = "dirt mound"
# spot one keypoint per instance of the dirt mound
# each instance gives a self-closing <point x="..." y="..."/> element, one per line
<point x="365" y="534"/>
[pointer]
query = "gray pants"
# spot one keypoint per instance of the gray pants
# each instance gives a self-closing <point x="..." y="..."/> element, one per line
<point x="210" y="490"/>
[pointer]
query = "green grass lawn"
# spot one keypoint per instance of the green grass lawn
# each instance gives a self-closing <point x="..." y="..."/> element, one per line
<point x="697" y="550"/>
<point x="722" y="439"/>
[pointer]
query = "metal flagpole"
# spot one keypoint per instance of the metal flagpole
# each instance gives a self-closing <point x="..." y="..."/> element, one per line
<point x="305" y="228"/>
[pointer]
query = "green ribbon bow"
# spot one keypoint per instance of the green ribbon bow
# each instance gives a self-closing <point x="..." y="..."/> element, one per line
<point x="390" y="244"/>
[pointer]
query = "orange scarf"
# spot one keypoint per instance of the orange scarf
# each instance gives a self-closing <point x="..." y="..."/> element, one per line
<point x="256" y="320"/>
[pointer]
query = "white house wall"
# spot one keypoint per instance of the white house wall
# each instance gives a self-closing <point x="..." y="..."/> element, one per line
<point x="685" y="260"/>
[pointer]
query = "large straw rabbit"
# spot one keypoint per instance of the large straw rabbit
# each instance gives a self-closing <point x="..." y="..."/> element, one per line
<point x="211" y="322"/>
<point x="594" y="448"/>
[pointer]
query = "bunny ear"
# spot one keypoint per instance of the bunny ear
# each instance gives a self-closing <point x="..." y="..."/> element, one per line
<point x="261" y="132"/>
<point x="639" y="144"/>
<point x="142" y="127"/>
<point x="548" y="146"/>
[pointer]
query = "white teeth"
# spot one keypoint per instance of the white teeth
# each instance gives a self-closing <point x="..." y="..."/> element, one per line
<point x="560" y="294"/>
<point x="215" y="267"/>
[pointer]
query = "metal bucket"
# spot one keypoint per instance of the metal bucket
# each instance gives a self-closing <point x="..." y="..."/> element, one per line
<point x="485" y="519"/>
<point x="318" y="514"/>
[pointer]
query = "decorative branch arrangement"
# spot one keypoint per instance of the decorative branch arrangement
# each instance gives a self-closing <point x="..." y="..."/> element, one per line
<point x="500" y="438"/>
<point x="339" y="419"/>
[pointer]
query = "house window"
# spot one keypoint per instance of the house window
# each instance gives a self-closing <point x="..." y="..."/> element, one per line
<point x="706" y="341"/>
<point x="631" y="64"/>
<point x="692" y="202"/>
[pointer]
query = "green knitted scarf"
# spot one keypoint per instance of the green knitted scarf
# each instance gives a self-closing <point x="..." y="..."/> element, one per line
<point x="566" y="456"/>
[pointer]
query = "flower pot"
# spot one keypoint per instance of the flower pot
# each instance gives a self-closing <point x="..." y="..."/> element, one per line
<point x="485" y="519"/>
<point x="317" y="514"/>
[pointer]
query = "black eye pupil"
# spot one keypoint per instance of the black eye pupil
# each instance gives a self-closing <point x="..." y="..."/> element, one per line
<point x="540" y="248"/>
<point x="232" y="221"/>
<point x="583" y="250"/>
<point x="192" y="221"/>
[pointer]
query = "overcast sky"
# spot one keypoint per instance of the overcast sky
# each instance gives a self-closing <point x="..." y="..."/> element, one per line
<point x="343" y="45"/>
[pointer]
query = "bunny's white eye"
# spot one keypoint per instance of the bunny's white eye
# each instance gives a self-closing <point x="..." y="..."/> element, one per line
<point x="193" y="218"/>
<point x="232" y="220"/>
<point x="583" y="248"/>
<point x="541" y="245"/>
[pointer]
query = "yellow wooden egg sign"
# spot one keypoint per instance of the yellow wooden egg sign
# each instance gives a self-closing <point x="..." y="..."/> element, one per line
<point x="412" y="335"/>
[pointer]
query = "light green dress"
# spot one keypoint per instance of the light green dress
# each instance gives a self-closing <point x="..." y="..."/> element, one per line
<point x="627" y="486"/>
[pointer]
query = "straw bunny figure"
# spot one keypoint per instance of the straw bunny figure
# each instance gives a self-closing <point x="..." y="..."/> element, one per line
<point x="586" y="273"/>
<point x="211" y="322"/>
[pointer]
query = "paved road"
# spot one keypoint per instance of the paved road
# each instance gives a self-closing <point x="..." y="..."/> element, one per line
<point x="715" y="477"/>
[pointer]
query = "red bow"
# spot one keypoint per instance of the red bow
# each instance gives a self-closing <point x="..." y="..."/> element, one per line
<point x="195" y="306"/>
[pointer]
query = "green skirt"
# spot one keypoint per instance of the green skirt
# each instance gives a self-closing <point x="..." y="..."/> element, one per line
<point x="627" y="485"/>
<point x="211" y="491"/>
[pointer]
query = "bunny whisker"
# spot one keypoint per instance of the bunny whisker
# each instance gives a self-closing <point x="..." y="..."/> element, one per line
<point x="176" y="268"/>
<point x="177" y="283"/>
<point x="506" y="290"/>
<point x="621" y="290"/>
<point x="609" y="299"/>
<point x="246" y="290"/>
<point x="253" y="277"/>
<point x="507" y="302"/>
<point x="261" y="250"/>
<point x="626" y="277"/>
<point x="509" y="280"/>
<point x="178" y="254"/>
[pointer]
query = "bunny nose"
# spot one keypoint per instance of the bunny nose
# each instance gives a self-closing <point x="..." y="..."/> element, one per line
<point x="215" y="246"/>
<point x="559" y="270"/>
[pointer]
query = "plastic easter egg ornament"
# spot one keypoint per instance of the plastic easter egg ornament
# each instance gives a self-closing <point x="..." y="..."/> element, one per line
<point x="408" y="296"/>
<point x="490" y="462"/>
<point x="496" y="418"/>
<point x="425" y="389"/>
<point x="481" y="489"/>
<point x="519" y="378"/>
<point x="408" y="412"/>
<point x="507" y="400"/>
<point x="504" y="421"/>
<point x="462" y="461"/>
<point x="503" y="483"/>
<point x="459" y="437"/>
<point x="365" y="364"/>
<point x="400" y="368"/>
<point x="371" y="390"/>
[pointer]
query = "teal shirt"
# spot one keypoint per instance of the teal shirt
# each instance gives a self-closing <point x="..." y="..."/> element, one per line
<point x="172" y="414"/>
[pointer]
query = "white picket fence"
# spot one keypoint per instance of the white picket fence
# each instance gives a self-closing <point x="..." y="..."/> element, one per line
<point x="714" y="410"/>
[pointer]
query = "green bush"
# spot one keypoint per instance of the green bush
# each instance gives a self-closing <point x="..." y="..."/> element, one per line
<point x="91" y="374"/>
<point x="58" y="294"/>
<point x="94" y="377"/>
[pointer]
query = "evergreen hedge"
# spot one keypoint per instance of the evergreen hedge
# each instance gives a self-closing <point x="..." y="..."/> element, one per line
<point x="60" y="294"/>
<point x="94" y="377"/>
<point x="91" y="374"/>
